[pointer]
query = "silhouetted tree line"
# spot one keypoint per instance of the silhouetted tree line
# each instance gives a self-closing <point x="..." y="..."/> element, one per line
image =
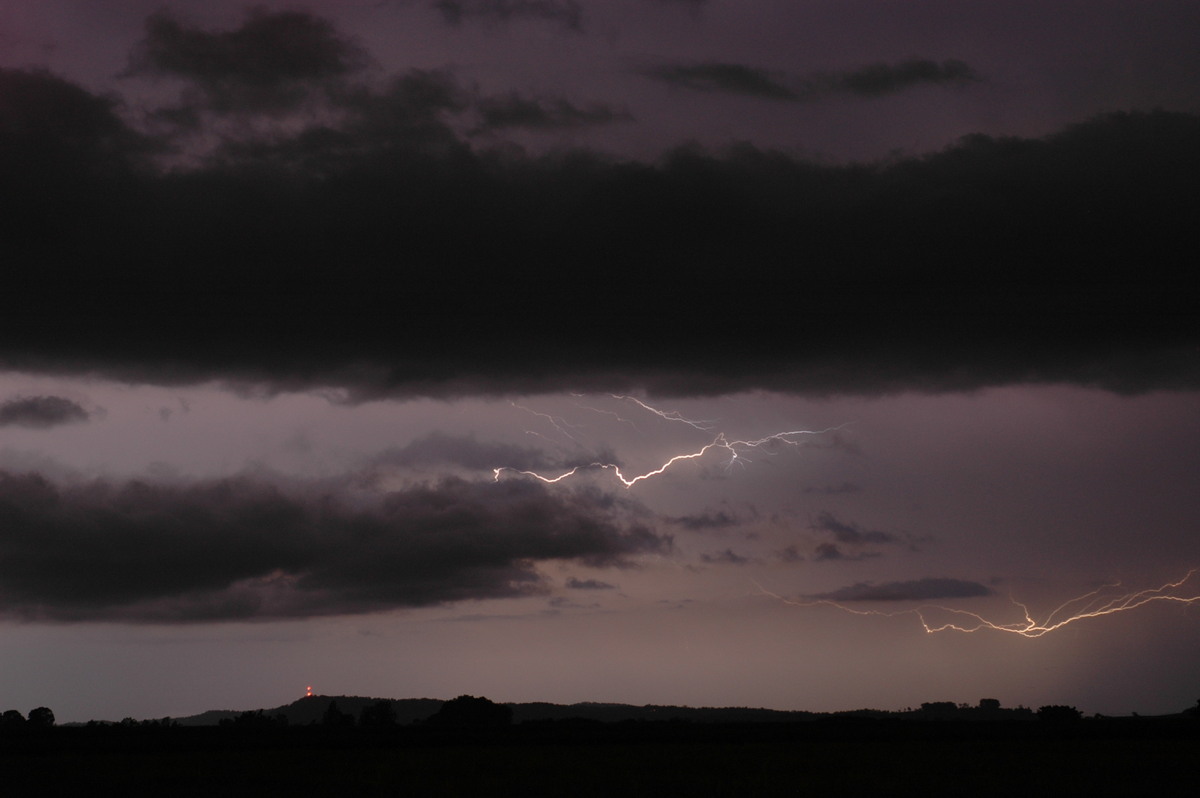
<point x="474" y="719"/>
<point x="38" y="718"/>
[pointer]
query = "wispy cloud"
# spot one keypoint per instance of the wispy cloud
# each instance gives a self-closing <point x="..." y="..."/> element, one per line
<point x="588" y="584"/>
<point x="724" y="77"/>
<point x="915" y="590"/>
<point x="566" y="13"/>
<point x="41" y="412"/>
<point x="873" y="80"/>
<point x="516" y="111"/>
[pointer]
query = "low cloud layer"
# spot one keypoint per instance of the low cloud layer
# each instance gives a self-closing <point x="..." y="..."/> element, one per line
<point x="242" y="549"/>
<point x="566" y="13"/>
<point x="925" y="589"/>
<point x="515" y="111"/>
<point x="851" y="533"/>
<point x="588" y="584"/>
<point x="41" y="412"/>
<point x="353" y="232"/>
<point x="873" y="80"/>
<point x="730" y="78"/>
<point x="441" y="449"/>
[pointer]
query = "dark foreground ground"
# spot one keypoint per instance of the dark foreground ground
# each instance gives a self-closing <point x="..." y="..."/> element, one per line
<point x="640" y="759"/>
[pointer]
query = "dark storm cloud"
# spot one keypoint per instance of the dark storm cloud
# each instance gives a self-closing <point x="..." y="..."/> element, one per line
<point x="789" y="554"/>
<point x="726" y="557"/>
<point x="831" y="552"/>
<point x="915" y="590"/>
<point x="53" y="132"/>
<point x="712" y="518"/>
<point x="878" y="79"/>
<point x="515" y="111"/>
<point x="438" y="448"/>
<point x="850" y="533"/>
<point x="588" y="584"/>
<point x="243" y="548"/>
<point x="874" y="80"/>
<point x="566" y="13"/>
<point x="40" y="412"/>
<point x="372" y="247"/>
<point x="731" y="78"/>
<point x="267" y="64"/>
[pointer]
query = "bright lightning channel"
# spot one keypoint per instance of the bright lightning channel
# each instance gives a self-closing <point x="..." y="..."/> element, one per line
<point x="735" y="448"/>
<point x="1095" y="604"/>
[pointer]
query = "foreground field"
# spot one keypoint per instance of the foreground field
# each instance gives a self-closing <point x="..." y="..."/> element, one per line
<point x="926" y="767"/>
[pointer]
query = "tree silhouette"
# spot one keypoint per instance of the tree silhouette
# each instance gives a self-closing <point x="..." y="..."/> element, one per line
<point x="41" y="718"/>
<point x="335" y="717"/>
<point x="1058" y="713"/>
<point x="380" y="715"/>
<point x="470" y="712"/>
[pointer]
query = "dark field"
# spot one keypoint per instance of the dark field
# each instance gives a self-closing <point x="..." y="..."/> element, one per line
<point x="683" y="761"/>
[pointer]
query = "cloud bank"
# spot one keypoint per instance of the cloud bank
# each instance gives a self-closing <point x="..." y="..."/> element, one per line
<point x="243" y="548"/>
<point x="915" y="590"/>
<point x="873" y="80"/>
<point x="41" y="412"/>
<point x="291" y="220"/>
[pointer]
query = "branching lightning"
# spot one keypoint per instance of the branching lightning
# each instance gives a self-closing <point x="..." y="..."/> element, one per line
<point x="735" y="449"/>
<point x="668" y="415"/>
<point x="1097" y="603"/>
<point x="559" y="424"/>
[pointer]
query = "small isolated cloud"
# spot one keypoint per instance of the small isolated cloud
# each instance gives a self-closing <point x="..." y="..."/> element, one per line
<point x="41" y="412"/>
<point x="915" y="590"/>
<point x="566" y="13"/>
<point x="726" y="557"/>
<point x="851" y="533"/>
<point x="723" y="77"/>
<point x="712" y="519"/>
<point x="562" y="603"/>
<point x="873" y="80"/>
<point x="515" y="111"/>
<point x="830" y="552"/>
<point x="588" y="584"/>
<point x="879" y="79"/>
<point x="789" y="554"/>
<point x="833" y="442"/>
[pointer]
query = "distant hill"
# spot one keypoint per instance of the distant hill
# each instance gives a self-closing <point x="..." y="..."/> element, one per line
<point x="311" y="709"/>
<point x="408" y="710"/>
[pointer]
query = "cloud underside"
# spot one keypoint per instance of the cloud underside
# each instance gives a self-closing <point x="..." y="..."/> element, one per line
<point x="40" y="412"/>
<point x="874" y="80"/>
<point x="926" y="589"/>
<point x="566" y="13"/>
<point x="243" y="549"/>
<point x="288" y="222"/>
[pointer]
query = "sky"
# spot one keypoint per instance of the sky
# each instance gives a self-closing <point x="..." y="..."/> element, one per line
<point x="805" y="355"/>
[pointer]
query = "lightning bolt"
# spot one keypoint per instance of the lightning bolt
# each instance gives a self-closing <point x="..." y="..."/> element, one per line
<point x="1095" y="604"/>
<point x="559" y="424"/>
<point x="669" y="415"/>
<point x="734" y="448"/>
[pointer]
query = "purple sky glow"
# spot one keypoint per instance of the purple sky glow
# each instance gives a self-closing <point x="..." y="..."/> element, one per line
<point x="285" y="286"/>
